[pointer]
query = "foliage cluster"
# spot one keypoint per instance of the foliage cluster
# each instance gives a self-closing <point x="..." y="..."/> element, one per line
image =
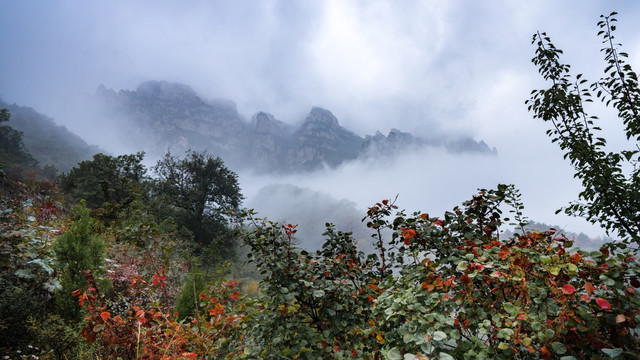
<point x="445" y="288"/>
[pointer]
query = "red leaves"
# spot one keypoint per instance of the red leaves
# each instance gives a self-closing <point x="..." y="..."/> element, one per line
<point x="76" y="292"/>
<point x="568" y="289"/>
<point x="105" y="315"/>
<point x="465" y="279"/>
<point x="159" y="279"/>
<point x="604" y="304"/>
<point x="290" y="229"/>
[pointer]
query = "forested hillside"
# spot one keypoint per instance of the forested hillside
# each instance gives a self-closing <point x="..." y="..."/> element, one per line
<point x="49" y="143"/>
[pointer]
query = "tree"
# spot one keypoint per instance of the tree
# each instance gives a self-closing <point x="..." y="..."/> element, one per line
<point x="77" y="250"/>
<point x="611" y="180"/>
<point x="108" y="183"/>
<point x="201" y="190"/>
<point x="12" y="150"/>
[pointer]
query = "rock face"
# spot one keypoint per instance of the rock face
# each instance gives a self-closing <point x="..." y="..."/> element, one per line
<point x="398" y="141"/>
<point x="320" y="140"/>
<point x="160" y="116"/>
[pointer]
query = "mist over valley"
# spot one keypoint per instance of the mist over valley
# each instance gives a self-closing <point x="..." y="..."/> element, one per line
<point x="310" y="172"/>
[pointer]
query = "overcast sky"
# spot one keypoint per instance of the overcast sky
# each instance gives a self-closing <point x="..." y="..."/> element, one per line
<point x="429" y="67"/>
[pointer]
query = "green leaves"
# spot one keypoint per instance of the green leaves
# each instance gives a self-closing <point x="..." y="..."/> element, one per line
<point x="612" y="353"/>
<point x="610" y="194"/>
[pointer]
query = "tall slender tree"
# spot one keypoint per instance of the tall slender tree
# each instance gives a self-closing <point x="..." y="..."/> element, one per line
<point x="610" y="179"/>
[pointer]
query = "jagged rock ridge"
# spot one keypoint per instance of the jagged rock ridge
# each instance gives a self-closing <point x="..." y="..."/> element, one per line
<point x="159" y="115"/>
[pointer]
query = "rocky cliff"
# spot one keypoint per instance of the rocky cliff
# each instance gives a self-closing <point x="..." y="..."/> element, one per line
<point x="160" y="116"/>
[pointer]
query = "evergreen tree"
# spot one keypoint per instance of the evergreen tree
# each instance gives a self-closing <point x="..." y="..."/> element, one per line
<point x="78" y="249"/>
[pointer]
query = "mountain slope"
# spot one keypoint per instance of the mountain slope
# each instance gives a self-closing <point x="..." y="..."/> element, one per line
<point x="50" y="144"/>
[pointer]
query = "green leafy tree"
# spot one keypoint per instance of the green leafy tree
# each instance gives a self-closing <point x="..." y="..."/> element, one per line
<point x="78" y="249"/>
<point x="200" y="190"/>
<point x="314" y="305"/>
<point x="611" y="180"/>
<point x="108" y="184"/>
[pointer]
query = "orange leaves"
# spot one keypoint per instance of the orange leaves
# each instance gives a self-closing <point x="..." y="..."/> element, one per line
<point x="503" y="253"/>
<point x="105" y="315"/>
<point x="216" y="310"/>
<point x="575" y="258"/>
<point x="589" y="288"/>
<point x="409" y="233"/>
<point x="76" y="292"/>
<point x="545" y="353"/>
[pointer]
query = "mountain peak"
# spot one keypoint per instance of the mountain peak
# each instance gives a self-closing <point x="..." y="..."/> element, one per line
<point x="321" y="116"/>
<point x="165" y="90"/>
